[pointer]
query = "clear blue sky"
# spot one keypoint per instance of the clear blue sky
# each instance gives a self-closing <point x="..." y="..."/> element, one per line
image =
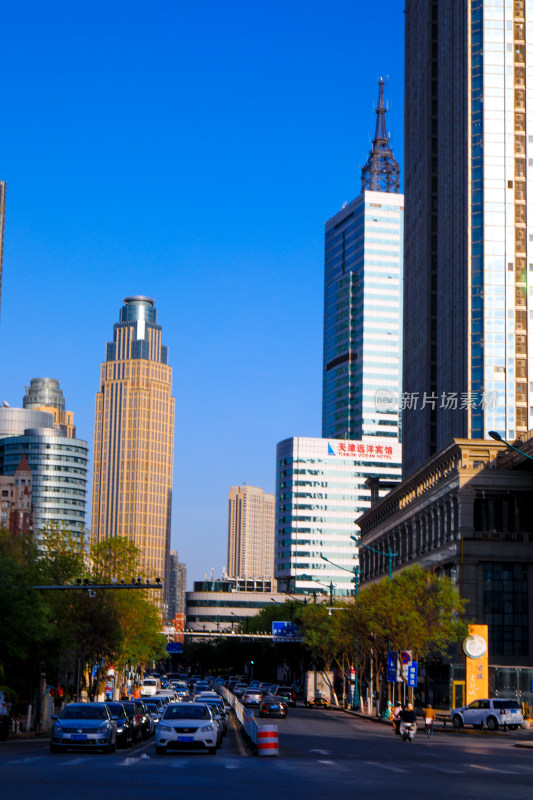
<point x="189" y="151"/>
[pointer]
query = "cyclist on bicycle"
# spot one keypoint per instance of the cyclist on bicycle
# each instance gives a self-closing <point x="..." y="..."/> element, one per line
<point x="429" y="714"/>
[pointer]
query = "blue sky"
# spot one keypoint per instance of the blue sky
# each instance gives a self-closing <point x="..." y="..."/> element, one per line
<point x="190" y="152"/>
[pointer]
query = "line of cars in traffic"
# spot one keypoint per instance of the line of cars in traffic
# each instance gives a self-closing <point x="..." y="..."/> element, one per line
<point x="271" y="700"/>
<point x="190" y="716"/>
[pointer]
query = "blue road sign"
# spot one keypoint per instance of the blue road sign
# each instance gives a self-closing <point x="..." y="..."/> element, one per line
<point x="392" y="675"/>
<point x="174" y="647"/>
<point x="412" y="674"/>
<point x="283" y="631"/>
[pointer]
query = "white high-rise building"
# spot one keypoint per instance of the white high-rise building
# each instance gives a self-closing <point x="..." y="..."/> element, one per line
<point x="320" y="492"/>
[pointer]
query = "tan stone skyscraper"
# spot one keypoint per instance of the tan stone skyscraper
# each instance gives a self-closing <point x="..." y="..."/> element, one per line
<point x="251" y="527"/>
<point x="134" y="439"/>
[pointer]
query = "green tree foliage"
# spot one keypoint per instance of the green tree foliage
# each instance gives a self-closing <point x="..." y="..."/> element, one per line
<point x="56" y="630"/>
<point x="416" y="610"/>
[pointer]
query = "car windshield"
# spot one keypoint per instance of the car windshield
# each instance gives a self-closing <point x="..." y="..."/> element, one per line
<point x="506" y="704"/>
<point x="84" y="712"/>
<point x="152" y="707"/>
<point x="116" y="709"/>
<point x="186" y="712"/>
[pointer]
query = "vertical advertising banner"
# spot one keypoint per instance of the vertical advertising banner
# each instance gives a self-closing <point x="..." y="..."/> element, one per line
<point x="476" y="648"/>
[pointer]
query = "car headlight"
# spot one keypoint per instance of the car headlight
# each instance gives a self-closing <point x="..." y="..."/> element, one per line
<point x="58" y="728"/>
<point x="103" y="727"/>
<point x="120" y="728"/>
<point x="164" y="728"/>
<point x="207" y="728"/>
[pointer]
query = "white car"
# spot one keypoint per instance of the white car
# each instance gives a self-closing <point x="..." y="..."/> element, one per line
<point x="204" y="695"/>
<point x="494" y="712"/>
<point x="150" y="686"/>
<point x="252" y="697"/>
<point x="186" y="726"/>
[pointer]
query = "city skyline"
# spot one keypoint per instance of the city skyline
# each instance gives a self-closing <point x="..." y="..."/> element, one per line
<point x="201" y="177"/>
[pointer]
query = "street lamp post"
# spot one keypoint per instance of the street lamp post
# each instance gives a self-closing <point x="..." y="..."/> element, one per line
<point x="389" y="554"/>
<point x="496" y="436"/>
<point x="356" y="696"/>
<point x="330" y="586"/>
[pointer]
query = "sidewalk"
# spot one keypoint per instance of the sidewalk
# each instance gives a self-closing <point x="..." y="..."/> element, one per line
<point x="443" y="725"/>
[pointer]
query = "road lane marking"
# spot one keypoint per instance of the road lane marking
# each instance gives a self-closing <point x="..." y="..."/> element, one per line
<point x="319" y="761"/>
<point x="385" y="766"/>
<point x="28" y="760"/>
<point x="491" y="769"/>
<point x="127" y="762"/>
<point x="321" y="752"/>
<point x="74" y="761"/>
<point x="242" y="749"/>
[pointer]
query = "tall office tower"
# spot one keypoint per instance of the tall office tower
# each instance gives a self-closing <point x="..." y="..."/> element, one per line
<point x="44" y="394"/>
<point x="2" y="219"/>
<point x="321" y="488"/>
<point x="363" y="302"/>
<point x="468" y="163"/>
<point x="58" y="466"/>
<point x="251" y="531"/>
<point x="134" y="439"/>
<point x="177" y="585"/>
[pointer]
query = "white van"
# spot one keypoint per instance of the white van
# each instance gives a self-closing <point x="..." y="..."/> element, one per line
<point x="150" y="687"/>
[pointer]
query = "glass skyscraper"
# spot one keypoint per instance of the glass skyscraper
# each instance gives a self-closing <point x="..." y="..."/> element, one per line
<point x="134" y="439"/>
<point x="58" y="465"/>
<point x="468" y="242"/>
<point x="363" y="303"/>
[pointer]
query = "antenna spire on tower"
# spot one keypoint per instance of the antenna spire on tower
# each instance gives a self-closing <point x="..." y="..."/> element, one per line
<point x="381" y="172"/>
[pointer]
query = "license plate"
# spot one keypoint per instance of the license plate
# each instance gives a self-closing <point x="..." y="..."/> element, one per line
<point x="513" y="711"/>
<point x="273" y="708"/>
<point x="185" y="738"/>
<point x="79" y="737"/>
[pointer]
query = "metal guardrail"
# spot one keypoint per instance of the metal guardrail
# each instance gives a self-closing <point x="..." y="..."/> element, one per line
<point x="245" y="716"/>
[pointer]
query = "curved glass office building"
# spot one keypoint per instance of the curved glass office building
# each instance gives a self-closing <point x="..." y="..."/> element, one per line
<point x="58" y="465"/>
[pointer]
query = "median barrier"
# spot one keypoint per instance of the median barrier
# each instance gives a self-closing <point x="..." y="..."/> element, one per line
<point x="263" y="737"/>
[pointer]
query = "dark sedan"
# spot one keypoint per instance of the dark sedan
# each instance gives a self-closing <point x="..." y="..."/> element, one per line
<point x="124" y="724"/>
<point x="147" y="723"/>
<point x="287" y="694"/>
<point x="273" y="707"/>
<point x="136" y="718"/>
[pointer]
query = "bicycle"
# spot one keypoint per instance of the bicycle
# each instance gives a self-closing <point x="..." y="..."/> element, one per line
<point x="429" y="728"/>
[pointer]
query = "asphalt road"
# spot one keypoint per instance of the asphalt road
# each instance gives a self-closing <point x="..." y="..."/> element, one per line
<point x="322" y="754"/>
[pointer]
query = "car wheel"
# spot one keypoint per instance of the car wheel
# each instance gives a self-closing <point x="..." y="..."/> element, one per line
<point x="457" y="722"/>
<point x="212" y="751"/>
<point x="54" y="748"/>
<point x="160" y="751"/>
<point x="492" y="724"/>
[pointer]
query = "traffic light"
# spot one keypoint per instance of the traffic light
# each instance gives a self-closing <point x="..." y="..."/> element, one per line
<point x="252" y="663"/>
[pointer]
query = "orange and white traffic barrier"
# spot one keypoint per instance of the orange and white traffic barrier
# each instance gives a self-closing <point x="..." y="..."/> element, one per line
<point x="267" y="740"/>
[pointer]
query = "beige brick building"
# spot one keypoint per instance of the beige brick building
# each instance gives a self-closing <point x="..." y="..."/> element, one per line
<point x="251" y="533"/>
<point x="134" y="439"/>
